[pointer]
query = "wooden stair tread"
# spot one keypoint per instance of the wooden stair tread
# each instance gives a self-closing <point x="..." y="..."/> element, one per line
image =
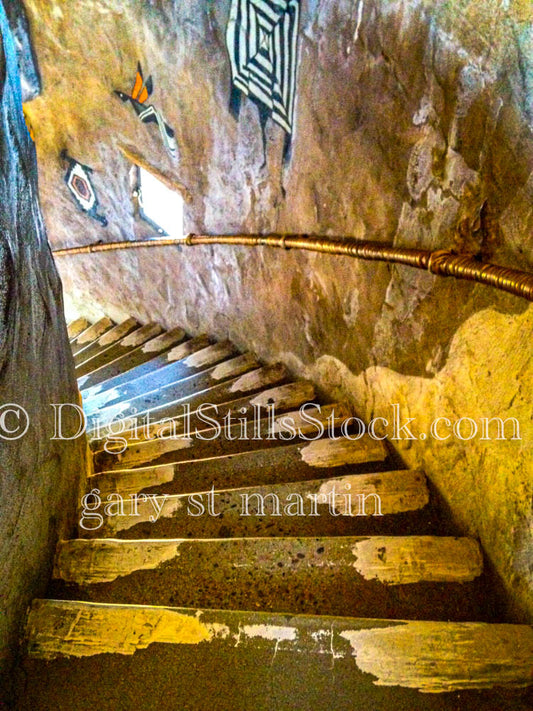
<point x="415" y="577"/>
<point x="91" y="335"/>
<point x="178" y="390"/>
<point x="430" y="657"/>
<point x="374" y="500"/>
<point x="283" y="462"/>
<point x="152" y="343"/>
<point x="122" y="343"/>
<point x="282" y="398"/>
<point x="160" y="405"/>
<point x="265" y="430"/>
<point x="265" y="426"/>
<point x="77" y="327"/>
<point x="183" y="370"/>
<point x="103" y="344"/>
<point x="94" y="395"/>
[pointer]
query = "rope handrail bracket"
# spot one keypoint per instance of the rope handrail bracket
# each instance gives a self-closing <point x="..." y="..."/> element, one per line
<point x="440" y="262"/>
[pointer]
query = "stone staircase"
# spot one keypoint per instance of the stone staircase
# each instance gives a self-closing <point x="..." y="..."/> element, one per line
<point x="249" y="569"/>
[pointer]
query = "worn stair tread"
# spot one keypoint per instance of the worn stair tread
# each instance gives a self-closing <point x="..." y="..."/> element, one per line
<point x="111" y="333"/>
<point x="164" y="398"/>
<point x="150" y="342"/>
<point x="91" y="335"/>
<point x="121" y="346"/>
<point x="392" y="560"/>
<point x="77" y="327"/>
<point x="159" y="405"/>
<point x="383" y="655"/>
<point x="181" y="364"/>
<point x="233" y="437"/>
<point x="104" y="343"/>
<point x="350" y="505"/>
<point x="416" y="577"/>
<point x="266" y="429"/>
<point x="95" y="395"/>
<point x="177" y="390"/>
<point x="262" y="422"/>
<point x="274" y="465"/>
<point x="281" y="398"/>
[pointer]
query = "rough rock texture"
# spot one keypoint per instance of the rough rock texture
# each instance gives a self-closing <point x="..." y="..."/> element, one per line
<point x="487" y="484"/>
<point x="30" y="80"/>
<point x="39" y="478"/>
<point x="413" y="125"/>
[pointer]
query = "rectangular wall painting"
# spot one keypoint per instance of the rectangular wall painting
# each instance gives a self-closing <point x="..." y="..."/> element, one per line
<point x="262" y="41"/>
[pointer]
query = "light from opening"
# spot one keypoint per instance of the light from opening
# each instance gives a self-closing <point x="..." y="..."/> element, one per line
<point x="160" y="205"/>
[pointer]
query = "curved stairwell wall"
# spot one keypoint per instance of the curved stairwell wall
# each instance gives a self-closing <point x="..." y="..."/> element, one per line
<point x="413" y="124"/>
<point x="39" y="478"/>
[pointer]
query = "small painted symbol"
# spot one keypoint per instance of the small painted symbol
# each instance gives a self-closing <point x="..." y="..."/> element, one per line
<point x="80" y="185"/>
<point x="147" y="113"/>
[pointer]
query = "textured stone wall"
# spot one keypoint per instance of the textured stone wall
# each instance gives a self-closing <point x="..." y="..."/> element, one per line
<point x="413" y="125"/>
<point x="39" y="478"/>
<point x="30" y="81"/>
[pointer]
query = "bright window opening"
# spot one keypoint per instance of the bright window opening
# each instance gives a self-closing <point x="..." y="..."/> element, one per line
<point x="160" y="205"/>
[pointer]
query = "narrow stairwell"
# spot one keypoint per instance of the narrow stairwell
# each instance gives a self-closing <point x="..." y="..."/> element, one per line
<point x="223" y="563"/>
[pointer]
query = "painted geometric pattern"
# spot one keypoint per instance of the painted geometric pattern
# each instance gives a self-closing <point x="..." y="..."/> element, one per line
<point x="81" y="188"/>
<point x="262" y="41"/>
<point x="79" y="183"/>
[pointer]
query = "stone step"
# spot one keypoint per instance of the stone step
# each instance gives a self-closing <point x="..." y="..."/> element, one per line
<point x="104" y="342"/>
<point x="362" y="504"/>
<point x="393" y="577"/>
<point x="137" y="337"/>
<point x="184" y="361"/>
<point x="84" y="656"/>
<point x="77" y="327"/>
<point x="142" y="353"/>
<point x="312" y="423"/>
<point x="208" y="444"/>
<point x="280" y="399"/>
<point x="91" y="334"/>
<point x="302" y="461"/>
<point x="167" y="403"/>
<point x="271" y="417"/>
<point x="177" y="390"/>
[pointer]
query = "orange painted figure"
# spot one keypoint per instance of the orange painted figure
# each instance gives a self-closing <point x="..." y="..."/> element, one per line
<point x="147" y="112"/>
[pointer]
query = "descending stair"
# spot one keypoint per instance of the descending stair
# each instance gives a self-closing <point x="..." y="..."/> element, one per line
<point x="81" y="340"/>
<point x="75" y="328"/>
<point x="237" y="567"/>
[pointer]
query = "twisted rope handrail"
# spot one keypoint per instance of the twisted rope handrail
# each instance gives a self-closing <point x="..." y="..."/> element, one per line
<point x="441" y="262"/>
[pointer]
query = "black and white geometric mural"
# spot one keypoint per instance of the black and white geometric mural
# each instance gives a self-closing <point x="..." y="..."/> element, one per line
<point x="262" y="41"/>
<point x="80" y="185"/>
<point x="147" y="113"/>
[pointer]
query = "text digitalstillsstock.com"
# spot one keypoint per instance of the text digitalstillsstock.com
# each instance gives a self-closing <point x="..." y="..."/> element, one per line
<point x="15" y="423"/>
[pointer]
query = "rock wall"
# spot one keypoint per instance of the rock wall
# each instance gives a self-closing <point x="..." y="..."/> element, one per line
<point x="413" y="125"/>
<point x="40" y="478"/>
